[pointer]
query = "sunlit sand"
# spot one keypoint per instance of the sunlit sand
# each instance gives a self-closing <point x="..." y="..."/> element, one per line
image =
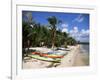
<point x="72" y="58"/>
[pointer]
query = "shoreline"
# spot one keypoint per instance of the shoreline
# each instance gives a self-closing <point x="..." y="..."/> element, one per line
<point x="69" y="60"/>
<point x="73" y="58"/>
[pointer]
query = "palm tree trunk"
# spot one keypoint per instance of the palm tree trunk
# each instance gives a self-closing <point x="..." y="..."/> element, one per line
<point x="28" y="47"/>
<point x="53" y="39"/>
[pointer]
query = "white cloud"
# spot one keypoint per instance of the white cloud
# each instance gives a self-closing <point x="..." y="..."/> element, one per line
<point x="74" y="31"/>
<point x="85" y="32"/>
<point x="79" y="35"/>
<point x="79" y="18"/>
<point x="82" y="35"/>
<point x="64" y="27"/>
<point x="65" y="30"/>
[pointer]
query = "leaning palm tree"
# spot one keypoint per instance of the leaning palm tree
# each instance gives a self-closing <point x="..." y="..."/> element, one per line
<point x="53" y="22"/>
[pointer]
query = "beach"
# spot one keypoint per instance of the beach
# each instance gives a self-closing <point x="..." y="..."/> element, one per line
<point x="82" y="58"/>
<point x="49" y="42"/>
<point x="74" y="57"/>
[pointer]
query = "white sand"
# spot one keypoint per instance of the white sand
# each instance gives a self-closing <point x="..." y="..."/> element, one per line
<point x="34" y="64"/>
<point x="69" y="59"/>
<point x="73" y="58"/>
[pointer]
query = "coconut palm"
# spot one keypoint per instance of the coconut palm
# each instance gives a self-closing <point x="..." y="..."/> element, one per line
<point x="27" y="29"/>
<point x="53" y="21"/>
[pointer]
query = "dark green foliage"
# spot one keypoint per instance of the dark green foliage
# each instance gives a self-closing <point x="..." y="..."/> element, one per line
<point x="53" y="21"/>
<point x="71" y="41"/>
<point x="42" y="34"/>
<point x="36" y="35"/>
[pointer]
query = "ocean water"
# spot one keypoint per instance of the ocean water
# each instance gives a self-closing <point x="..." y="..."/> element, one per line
<point x="85" y="48"/>
<point x="85" y="52"/>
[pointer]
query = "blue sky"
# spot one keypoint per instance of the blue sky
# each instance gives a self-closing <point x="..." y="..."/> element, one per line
<point x="76" y="24"/>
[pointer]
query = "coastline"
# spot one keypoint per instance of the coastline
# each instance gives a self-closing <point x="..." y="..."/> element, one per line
<point x="82" y="59"/>
<point x="74" y="57"/>
<point x="69" y="60"/>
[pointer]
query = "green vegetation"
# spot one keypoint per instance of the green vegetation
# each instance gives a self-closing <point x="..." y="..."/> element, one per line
<point x="53" y="21"/>
<point x="37" y="35"/>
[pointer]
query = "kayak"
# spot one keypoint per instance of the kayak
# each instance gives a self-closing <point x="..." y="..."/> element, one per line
<point x="53" y="56"/>
<point x="48" y="55"/>
<point x="45" y="58"/>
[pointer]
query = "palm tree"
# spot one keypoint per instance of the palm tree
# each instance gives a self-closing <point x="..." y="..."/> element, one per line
<point x="71" y="41"/>
<point x="27" y="29"/>
<point x="26" y="38"/>
<point x="53" y="22"/>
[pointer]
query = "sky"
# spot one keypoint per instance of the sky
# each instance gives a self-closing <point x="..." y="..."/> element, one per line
<point x="76" y="24"/>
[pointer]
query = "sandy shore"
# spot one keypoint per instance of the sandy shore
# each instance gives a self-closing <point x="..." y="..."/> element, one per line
<point x="34" y="64"/>
<point x="69" y="59"/>
<point x="73" y="58"/>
